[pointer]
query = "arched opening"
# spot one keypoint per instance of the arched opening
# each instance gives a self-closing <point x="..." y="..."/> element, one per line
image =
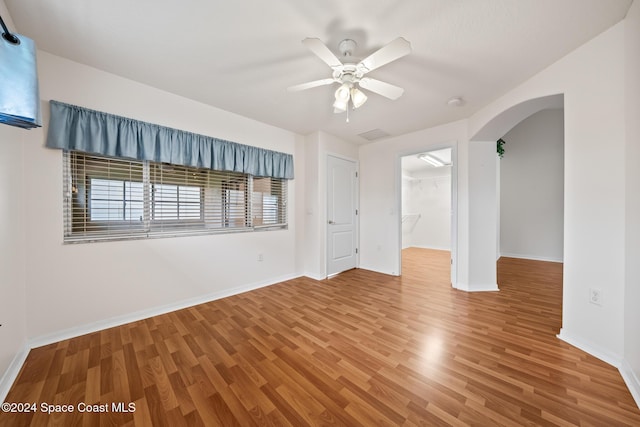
<point x="505" y="121"/>
<point x="487" y="230"/>
<point x="481" y="211"/>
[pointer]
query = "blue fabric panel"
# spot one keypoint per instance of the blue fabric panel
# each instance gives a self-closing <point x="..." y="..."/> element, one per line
<point x="19" y="95"/>
<point x="81" y="129"/>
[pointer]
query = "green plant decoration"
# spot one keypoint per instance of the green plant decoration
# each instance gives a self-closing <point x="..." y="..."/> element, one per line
<point x="500" y="147"/>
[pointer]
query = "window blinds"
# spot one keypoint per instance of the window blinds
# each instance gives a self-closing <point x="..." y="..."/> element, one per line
<point x="107" y="198"/>
<point x="269" y="198"/>
<point x="104" y="196"/>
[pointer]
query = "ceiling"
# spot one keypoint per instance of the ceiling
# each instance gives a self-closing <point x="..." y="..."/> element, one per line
<point x="241" y="56"/>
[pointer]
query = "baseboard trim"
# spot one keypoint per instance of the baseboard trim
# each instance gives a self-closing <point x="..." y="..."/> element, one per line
<point x="11" y="374"/>
<point x="375" y="270"/>
<point x="629" y="377"/>
<point x="631" y="380"/>
<point x="144" y="314"/>
<point x="314" y="276"/>
<point x="435" y="248"/>
<point x="604" y="355"/>
<point x="477" y="288"/>
<point x="530" y="257"/>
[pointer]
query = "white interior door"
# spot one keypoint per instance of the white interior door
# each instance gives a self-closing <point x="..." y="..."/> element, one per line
<point x="341" y="215"/>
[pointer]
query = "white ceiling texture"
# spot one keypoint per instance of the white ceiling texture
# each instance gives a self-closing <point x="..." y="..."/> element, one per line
<point x="242" y="55"/>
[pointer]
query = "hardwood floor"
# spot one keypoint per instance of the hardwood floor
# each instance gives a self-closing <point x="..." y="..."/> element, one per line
<point x="361" y="348"/>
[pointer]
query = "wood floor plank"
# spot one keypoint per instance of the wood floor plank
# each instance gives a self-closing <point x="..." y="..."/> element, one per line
<point x="361" y="348"/>
<point x="203" y="405"/>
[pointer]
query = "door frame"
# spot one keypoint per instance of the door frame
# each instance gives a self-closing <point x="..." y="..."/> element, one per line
<point x="326" y="205"/>
<point x="453" y="145"/>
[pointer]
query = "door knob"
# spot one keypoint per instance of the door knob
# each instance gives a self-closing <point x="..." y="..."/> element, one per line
<point x="331" y="222"/>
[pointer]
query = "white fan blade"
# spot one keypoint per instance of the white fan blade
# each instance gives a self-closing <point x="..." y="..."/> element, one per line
<point x="392" y="51"/>
<point x="322" y="51"/>
<point x="310" y="85"/>
<point x="381" y="88"/>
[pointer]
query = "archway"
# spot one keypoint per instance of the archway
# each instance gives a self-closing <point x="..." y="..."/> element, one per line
<point x="483" y="190"/>
<point x="506" y="120"/>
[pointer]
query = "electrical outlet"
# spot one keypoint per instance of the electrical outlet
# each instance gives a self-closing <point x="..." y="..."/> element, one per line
<point x="260" y="257"/>
<point x="595" y="296"/>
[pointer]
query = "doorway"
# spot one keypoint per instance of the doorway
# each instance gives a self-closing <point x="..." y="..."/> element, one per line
<point x="427" y="202"/>
<point x="342" y="215"/>
<point x="531" y="189"/>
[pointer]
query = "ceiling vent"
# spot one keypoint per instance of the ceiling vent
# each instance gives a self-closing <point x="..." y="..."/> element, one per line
<point x="374" y="134"/>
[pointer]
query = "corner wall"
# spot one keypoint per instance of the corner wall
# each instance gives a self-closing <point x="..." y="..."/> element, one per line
<point x="13" y="319"/>
<point x="483" y="203"/>
<point x="631" y="365"/>
<point x="13" y="332"/>
<point x="318" y="146"/>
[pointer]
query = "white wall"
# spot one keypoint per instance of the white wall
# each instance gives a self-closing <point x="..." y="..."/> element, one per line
<point x="592" y="81"/>
<point x="318" y="146"/>
<point x="482" y="235"/>
<point x="426" y="197"/>
<point x="299" y="211"/>
<point x="13" y="332"/>
<point x="314" y="255"/>
<point x="74" y="287"/>
<point x="631" y="367"/>
<point x="409" y="218"/>
<point x="532" y="188"/>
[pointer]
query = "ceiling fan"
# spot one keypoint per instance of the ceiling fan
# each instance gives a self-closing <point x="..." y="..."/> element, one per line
<point x="351" y="76"/>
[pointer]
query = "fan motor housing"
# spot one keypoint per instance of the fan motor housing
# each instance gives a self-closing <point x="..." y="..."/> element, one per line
<point x="347" y="46"/>
<point x="348" y="73"/>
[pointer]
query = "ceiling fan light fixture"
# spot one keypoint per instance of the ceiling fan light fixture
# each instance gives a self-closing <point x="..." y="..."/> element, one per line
<point x="351" y="75"/>
<point x="357" y="97"/>
<point x="340" y="106"/>
<point x="342" y="93"/>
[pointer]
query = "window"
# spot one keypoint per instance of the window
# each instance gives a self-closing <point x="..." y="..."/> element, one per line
<point x="268" y="201"/>
<point x="104" y="195"/>
<point x="176" y="202"/>
<point x="108" y="198"/>
<point x="115" y="200"/>
<point x="192" y="199"/>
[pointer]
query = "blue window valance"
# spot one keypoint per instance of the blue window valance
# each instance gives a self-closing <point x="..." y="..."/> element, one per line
<point x="81" y="129"/>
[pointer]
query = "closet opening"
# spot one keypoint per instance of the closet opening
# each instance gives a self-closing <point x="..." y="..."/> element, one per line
<point x="427" y="203"/>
